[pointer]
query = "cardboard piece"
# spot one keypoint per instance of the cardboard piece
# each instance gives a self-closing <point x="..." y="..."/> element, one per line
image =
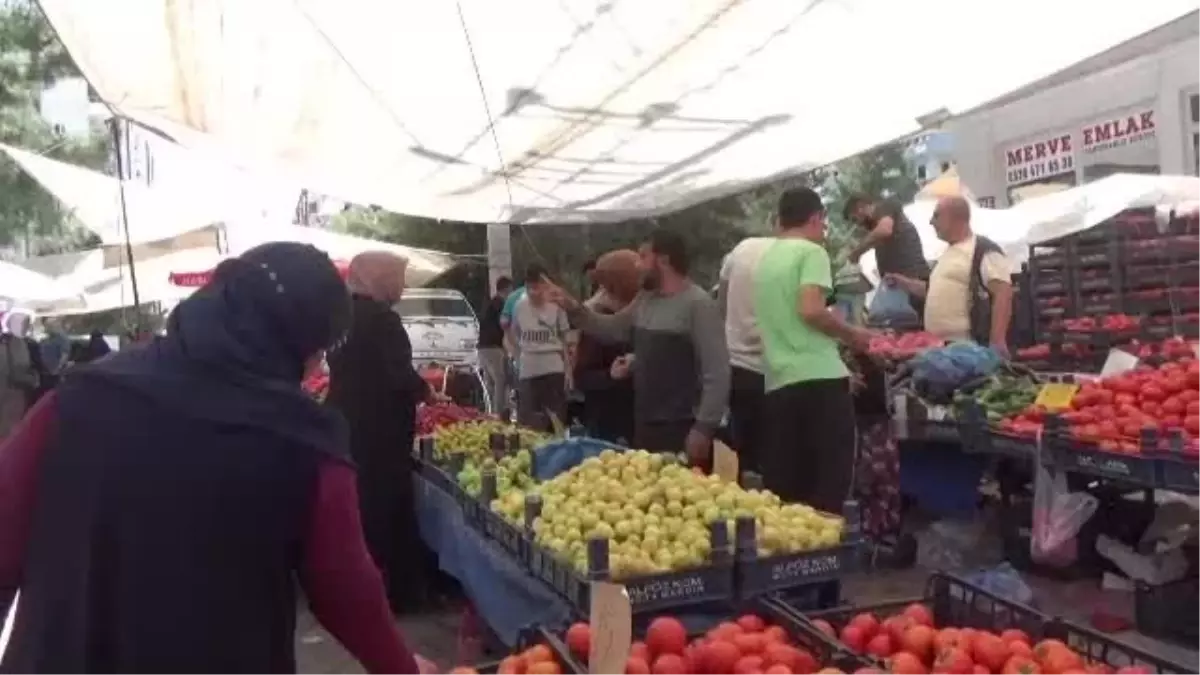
<point x="725" y="462"/>
<point x="1056" y="395"/>
<point x="1118" y="361"/>
<point x="612" y="628"/>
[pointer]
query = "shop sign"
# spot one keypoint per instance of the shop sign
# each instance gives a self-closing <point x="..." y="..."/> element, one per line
<point x="1039" y="160"/>
<point x="1119" y="131"/>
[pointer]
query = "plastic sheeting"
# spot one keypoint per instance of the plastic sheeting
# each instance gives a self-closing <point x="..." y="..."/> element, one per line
<point x="1063" y="213"/>
<point x="601" y="109"/>
<point x="21" y="287"/>
<point x="155" y="213"/>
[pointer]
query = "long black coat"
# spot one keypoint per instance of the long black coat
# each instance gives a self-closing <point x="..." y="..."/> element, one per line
<point x="373" y="383"/>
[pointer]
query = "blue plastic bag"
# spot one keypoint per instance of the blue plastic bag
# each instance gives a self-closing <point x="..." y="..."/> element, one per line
<point x="555" y="457"/>
<point x="891" y="307"/>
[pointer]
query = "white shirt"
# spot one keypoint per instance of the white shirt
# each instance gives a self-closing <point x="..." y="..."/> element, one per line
<point x="741" y="329"/>
<point x="947" y="305"/>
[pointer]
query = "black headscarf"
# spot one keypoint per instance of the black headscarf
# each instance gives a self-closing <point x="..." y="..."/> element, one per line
<point x="96" y="348"/>
<point x="235" y="350"/>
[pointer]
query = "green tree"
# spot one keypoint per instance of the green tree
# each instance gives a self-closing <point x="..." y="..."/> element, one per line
<point x="32" y="58"/>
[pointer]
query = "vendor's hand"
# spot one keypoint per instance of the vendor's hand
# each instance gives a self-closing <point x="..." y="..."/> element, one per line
<point x="426" y="666"/>
<point x="860" y="339"/>
<point x="619" y="370"/>
<point x="698" y="447"/>
<point x="556" y="294"/>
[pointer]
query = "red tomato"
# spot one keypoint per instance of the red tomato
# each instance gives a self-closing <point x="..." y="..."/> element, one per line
<point x="1151" y="392"/>
<point x="1104" y="396"/>
<point x="1191" y="424"/>
<point x="1151" y="408"/>
<point x="1173" y="406"/>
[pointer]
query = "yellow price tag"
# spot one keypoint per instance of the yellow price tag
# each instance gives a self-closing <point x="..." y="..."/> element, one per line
<point x="725" y="462"/>
<point x="612" y="628"/>
<point x="1056" y="395"/>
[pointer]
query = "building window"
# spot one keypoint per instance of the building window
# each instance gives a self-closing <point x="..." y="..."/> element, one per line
<point x="921" y="174"/>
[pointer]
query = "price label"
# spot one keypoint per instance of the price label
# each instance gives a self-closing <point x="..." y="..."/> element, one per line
<point x="1056" y="395"/>
<point x="725" y="462"/>
<point x="612" y="628"/>
<point x="1118" y="361"/>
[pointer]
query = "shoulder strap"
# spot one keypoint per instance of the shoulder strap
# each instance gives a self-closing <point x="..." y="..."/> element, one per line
<point x="983" y="246"/>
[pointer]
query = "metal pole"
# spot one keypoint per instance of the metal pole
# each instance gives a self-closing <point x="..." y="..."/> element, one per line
<point x="115" y="126"/>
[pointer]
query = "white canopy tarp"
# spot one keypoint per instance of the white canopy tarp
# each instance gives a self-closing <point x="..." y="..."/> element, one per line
<point x="601" y="109"/>
<point x="1063" y="213"/>
<point x="95" y="201"/>
<point x="22" y="287"/>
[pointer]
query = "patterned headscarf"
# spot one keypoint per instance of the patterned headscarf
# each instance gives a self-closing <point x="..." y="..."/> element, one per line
<point x="378" y="275"/>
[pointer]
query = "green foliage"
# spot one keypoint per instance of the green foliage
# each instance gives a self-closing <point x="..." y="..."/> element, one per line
<point x="32" y="58"/>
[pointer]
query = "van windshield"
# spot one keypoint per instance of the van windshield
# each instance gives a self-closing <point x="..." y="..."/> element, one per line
<point x="456" y="308"/>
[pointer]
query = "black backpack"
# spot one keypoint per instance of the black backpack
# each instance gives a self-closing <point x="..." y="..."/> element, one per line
<point x="979" y="297"/>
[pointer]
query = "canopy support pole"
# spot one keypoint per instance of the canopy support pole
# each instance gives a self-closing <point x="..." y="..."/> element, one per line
<point x="114" y="123"/>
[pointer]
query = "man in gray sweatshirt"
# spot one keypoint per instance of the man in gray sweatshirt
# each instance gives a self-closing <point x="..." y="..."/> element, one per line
<point x="679" y="365"/>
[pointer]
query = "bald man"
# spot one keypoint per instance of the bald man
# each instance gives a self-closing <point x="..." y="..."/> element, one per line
<point x="969" y="295"/>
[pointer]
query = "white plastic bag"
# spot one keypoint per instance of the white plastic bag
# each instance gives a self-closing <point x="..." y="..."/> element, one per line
<point x="1058" y="516"/>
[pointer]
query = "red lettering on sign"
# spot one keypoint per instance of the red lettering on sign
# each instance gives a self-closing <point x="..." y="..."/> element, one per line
<point x="1117" y="129"/>
<point x="1038" y="151"/>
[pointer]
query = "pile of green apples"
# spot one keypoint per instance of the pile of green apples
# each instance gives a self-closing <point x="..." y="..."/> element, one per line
<point x="656" y="514"/>
<point x="472" y="439"/>
<point x="513" y="476"/>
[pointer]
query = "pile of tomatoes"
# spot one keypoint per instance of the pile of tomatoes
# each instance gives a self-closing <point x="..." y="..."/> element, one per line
<point x="909" y="642"/>
<point x="434" y="416"/>
<point x="536" y="660"/>
<point x="746" y="645"/>
<point x="1113" y="412"/>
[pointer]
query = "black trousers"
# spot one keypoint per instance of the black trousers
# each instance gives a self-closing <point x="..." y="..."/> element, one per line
<point x="809" y="444"/>
<point x="745" y="416"/>
<point x="661" y="436"/>
<point x="539" y="397"/>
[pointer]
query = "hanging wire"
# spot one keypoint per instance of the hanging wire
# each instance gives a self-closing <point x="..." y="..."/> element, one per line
<point x="491" y="128"/>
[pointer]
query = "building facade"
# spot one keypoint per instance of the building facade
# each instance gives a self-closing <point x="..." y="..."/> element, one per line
<point x="1132" y="109"/>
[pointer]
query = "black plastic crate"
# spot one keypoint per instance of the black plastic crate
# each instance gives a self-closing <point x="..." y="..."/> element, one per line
<point x="1139" y="470"/>
<point x="1169" y="611"/>
<point x="952" y="601"/>
<point x="510" y="537"/>
<point x="1096" y="646"/>
<point x="757" y="576"/>
<point x="713" y="582"/>
<point x="1179" y="472"/>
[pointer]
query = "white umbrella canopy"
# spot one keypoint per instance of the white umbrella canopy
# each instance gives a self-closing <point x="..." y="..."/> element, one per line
<point x="559" y="110"/>
<point x="22" y="287"/>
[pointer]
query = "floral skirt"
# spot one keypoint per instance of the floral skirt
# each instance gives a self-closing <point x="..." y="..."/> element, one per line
<point x="878" y="478"/>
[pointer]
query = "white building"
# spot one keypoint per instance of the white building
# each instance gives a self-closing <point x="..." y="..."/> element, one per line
<point x="1132" y="109"/>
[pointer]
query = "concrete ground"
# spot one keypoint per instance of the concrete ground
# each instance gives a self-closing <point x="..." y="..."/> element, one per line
<point x="436" y="635"/>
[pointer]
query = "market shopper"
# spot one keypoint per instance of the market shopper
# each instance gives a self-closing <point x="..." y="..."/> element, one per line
<point x="892" y="236"/>
<point x="969" y="295"/>
<point x="492" y="356"/>
<point x="373" y="383"/>
<point x="540" y="329"/>
<point x="808" y="415"/>
<point x="736" y="297"/>
<point x="157" y="508"/>
<point x="602" y="369"/>
<point x="679" y="362"/>
<point x="19" y="372"/>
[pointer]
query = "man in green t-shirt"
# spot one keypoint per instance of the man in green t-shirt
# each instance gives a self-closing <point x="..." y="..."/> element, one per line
<point x="809" y="441"/>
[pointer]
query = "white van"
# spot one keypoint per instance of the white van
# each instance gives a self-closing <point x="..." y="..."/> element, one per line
<point x="441" y="325"/>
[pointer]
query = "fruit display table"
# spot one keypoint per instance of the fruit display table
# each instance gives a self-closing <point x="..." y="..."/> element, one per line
<point x="503" y="592"/>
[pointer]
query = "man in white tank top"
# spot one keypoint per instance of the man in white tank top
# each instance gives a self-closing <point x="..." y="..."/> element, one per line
<point x="736" y="297"/>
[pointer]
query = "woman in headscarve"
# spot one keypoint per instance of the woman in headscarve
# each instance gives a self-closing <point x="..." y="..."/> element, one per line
<point x="608" y="390"/>
<point x="18" y="372"/>
<point x="184" y="485"/>
<point x="373" y="383"/>
<point x="97" y="347"/>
